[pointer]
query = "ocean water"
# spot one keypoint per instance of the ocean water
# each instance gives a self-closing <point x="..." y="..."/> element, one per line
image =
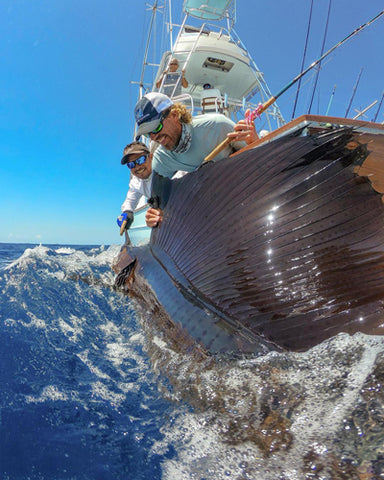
<point x="91" y="389"/>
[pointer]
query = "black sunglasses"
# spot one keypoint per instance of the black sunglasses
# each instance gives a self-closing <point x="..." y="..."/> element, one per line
<point x="159" y="127"/>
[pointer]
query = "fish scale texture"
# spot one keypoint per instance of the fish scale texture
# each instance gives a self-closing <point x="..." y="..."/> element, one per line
<point x="286" y="239"/>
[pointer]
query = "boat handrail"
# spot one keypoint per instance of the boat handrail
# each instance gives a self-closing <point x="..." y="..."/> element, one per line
<point x="208" y="29"/>
<point x="185" y="98"/>
<point x="204" y="11"/>
<point x="194" y="45"/>
<point x="141" y="208"/>
<point x="199" y="32"/>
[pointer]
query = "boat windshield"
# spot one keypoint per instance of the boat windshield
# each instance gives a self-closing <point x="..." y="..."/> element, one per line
<point x="208" y="9"/>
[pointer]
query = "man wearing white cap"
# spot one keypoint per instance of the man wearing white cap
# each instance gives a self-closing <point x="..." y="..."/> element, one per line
<point x="185" y="141"/>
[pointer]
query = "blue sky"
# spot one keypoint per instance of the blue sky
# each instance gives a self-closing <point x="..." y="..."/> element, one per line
<point x="66" y="100"/>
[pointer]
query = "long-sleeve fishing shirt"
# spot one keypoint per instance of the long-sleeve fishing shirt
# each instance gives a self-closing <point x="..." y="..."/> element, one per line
<point x="207" y="132"/>
<point x="137" y="189"/>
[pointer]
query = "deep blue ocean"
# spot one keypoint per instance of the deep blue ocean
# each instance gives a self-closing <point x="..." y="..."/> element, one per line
<point x="90" y="391"/>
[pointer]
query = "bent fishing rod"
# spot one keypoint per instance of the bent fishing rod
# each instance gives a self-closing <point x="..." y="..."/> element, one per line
<point x="263" y="106"/>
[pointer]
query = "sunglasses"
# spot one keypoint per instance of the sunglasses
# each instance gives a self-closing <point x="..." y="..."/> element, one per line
<point x="159" y="127"/>
<point x="138" y="161"/>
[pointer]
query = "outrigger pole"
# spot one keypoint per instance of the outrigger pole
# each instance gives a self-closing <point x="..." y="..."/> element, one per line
<point x="263" y="106"/>
<point x="154" y="9"/>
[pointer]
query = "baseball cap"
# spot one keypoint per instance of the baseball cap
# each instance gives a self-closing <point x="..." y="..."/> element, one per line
<point x="132" y="149"/>
<point x="148" y="111"/>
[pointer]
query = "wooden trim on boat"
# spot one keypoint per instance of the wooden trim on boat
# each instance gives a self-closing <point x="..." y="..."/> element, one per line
<point x="306" y="119"/>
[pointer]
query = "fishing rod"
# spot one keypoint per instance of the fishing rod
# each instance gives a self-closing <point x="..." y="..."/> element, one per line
<point x="378" y="110"/>
<point x="330" y="100"/>
<point x="263" y="106"/>
<point x="353" y="92"/>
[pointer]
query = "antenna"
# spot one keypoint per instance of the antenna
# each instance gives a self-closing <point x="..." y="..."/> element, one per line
<point x="154" y="9"/>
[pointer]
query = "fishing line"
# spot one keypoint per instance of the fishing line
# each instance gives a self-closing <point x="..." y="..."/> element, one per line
<point x="322" y="51"/>
<point x="303" y="61"/>
<point x="307" y="81"/>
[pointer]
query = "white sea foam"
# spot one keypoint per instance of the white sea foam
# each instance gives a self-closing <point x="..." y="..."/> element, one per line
<point x="320" y="388"/>
<point x="72" y="329"/>
<point x="93" y="368"/>
<point x="49" y="393"/>
<point x="28" y="257"/>
<point x="65" y="250"/>
<point x="100" y="390"/>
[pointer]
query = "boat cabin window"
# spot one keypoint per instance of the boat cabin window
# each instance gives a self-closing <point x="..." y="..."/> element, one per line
<point x="217" y="64"/>
<point x="207" y="10"/>
<point x="190" y="29"/>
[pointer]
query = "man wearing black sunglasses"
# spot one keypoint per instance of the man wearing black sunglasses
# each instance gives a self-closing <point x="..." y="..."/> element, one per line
<point x="186" y="141"/>
<point x="138" y="159"/>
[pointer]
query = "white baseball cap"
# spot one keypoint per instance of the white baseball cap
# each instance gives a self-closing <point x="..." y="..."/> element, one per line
<point x="149" y="111"/>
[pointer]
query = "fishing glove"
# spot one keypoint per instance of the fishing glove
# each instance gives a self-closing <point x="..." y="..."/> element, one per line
<point x="128" y="216"/>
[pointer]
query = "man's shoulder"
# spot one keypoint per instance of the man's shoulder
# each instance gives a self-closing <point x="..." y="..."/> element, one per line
<point x="211" y="119"/>
<point x="159" y="153"/>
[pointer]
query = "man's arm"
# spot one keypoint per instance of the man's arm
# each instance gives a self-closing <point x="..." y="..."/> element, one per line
<point x="184" y="81"/>
<point x="135" y="192"/>
<point x="131" y="200"/>
<point x="158" y="83"/>
<point x="162" y="163"/>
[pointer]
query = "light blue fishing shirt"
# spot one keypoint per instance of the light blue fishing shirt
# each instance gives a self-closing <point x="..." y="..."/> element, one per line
<point x="207" y="132"/>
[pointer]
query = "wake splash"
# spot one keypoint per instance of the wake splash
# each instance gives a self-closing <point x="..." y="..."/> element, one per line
<point x="91" y="389"/>
<point x="282" y="416"/>
<point x="278" y="416"/>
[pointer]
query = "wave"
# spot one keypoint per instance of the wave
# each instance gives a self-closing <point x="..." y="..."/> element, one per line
<point x="91" y="388"/>
<point x="78" y="397"/>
